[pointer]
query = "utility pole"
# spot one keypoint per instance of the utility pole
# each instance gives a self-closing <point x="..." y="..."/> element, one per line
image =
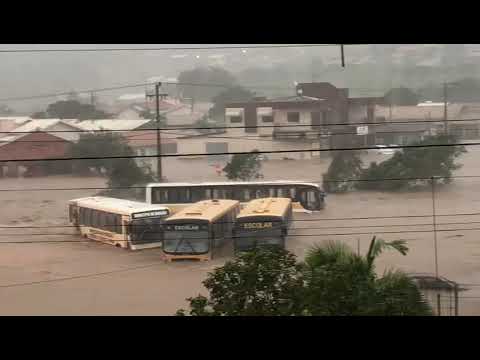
<point x="157" y="118"/>
<point x="445" y="116"/>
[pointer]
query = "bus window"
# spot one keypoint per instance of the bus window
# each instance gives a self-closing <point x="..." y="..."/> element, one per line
<point x="219" y="193"/>
<point x="246" y="195"/>
<point x="183" y="195"/>
<point x="238" y="194"/>
<point x="102" y="220"/>
<point x="228" y="193"/>
<point x="273" y="192"/>
<point x="198" y="194"/>
<point x="117" y="224"/>
<point x="88" y="217"/>
<point x="82" y="216"/>
<point x="208" y="194"/>
<point x="261" y="192"/>
<point x="309" y="199"/>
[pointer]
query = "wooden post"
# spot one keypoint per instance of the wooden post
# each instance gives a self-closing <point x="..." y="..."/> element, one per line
<point x="439" y="308"/>
<point x="455" y="294"/>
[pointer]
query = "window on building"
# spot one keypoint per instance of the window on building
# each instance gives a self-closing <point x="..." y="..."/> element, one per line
<point x="170" y="148"/>
<point x="235" y="119"/>
<point x="293" y="117"/>
<point x="267" y="119"/>
<point x="324" y="117"/>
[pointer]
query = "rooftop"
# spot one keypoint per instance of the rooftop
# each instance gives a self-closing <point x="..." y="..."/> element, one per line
<point x="126" y="207"/>
<point x="265" y="206"/>
<point x="205" y="210"/>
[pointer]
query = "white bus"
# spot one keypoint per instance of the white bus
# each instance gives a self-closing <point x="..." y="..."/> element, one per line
<point x="305" y="196"/>
<point x="123" y="223"/>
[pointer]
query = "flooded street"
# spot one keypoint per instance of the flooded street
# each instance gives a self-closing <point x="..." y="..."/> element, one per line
<point x="148" y="286"/>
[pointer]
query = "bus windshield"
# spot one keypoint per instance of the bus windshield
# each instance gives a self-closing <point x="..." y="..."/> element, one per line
<point x="248" y="239"/>
<point x="186" y="242"/>
<point x="146" y="230"/>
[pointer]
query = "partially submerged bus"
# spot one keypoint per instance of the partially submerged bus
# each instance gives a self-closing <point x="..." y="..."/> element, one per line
<point x="306" y="197"/>
<point x="262" y="222"/>
<point x="196" y="231"/>
<point x="123" y="223"/>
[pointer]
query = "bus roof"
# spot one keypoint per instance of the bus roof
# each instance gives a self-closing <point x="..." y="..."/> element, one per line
<point x="213" y="183"/>
<point x="265" y="206"/>
<point x="209" y="210"/>
<point x="114" y="205"/>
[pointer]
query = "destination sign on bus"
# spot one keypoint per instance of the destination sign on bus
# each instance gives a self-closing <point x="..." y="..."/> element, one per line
<point x="150" y="214"/>
<point x="189" y="227"/>
<point x="257" y="225"/>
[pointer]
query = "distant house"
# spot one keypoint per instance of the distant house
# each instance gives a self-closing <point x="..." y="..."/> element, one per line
<point x="144" y="143"/>
<point x="34" y="141"/>
<point x="8" y="123"/>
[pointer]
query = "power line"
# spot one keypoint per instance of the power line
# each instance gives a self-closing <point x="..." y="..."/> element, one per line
<point x="399" y="122"/>
<point x="235" y="237"/>
<point x="240" y="152"/>
<point x="209" y="135"/>
<point x="326" y="181"/>
<point x="168" y="48"/>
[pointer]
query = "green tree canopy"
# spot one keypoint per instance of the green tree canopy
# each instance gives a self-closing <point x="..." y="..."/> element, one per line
<point x="345" y="165"/>
<point x="204" y="75"/>
<point x="244" y="167"/>
<point x="120" y="172"/>
<point x="265" y="281"/>
<point x="332" y="281"/>
<point x="401" y="96"/>
<point x="412" y="163"/>
<point x="71" y="109"/>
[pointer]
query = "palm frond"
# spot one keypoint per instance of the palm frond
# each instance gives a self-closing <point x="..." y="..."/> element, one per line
<point x="328" y="252"/>
<point x="377" y="246"/>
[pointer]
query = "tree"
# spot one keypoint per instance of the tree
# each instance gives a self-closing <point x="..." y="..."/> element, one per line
<point x="401" y="97"/>
<point x="236" y="93"/>
<point x="341" y="282"/>
<point x="121" y="172"/>
<point x="244" y="167"/>
<point x="333" y="280"/>
<point x="412" y="163"/>
<point x="204" y="75"/>
<point x="72" y="109"/>
<point x="345" y="165"/>
<point x="266" y="281"/>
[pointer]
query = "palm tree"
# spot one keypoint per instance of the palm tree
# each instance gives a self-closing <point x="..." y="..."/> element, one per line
<point x="345" y="283"/>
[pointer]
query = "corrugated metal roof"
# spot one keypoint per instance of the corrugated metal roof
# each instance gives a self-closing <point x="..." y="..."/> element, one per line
<point x="111" y="124"/>
<point x="39" y="125"/>
<point x="296" y="98"/>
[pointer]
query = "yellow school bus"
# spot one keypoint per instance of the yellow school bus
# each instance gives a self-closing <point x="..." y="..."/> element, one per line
<point x="263" y="222"/>
<point x="123" y="223"/>
<point x="197" y="230"/>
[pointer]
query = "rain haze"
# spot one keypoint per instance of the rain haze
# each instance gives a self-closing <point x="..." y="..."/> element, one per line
<point x="364" y="140"/>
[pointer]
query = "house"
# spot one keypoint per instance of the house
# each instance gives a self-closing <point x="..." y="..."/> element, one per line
<point x="406" y="124"/>
<point x="307" y="118"/>
<point x="33" y="141"/>
<point x="8" y="123"/>
<point x="144" y="143"/>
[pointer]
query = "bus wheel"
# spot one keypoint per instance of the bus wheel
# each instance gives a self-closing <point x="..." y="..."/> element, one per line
<point x="118" y="245"/>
